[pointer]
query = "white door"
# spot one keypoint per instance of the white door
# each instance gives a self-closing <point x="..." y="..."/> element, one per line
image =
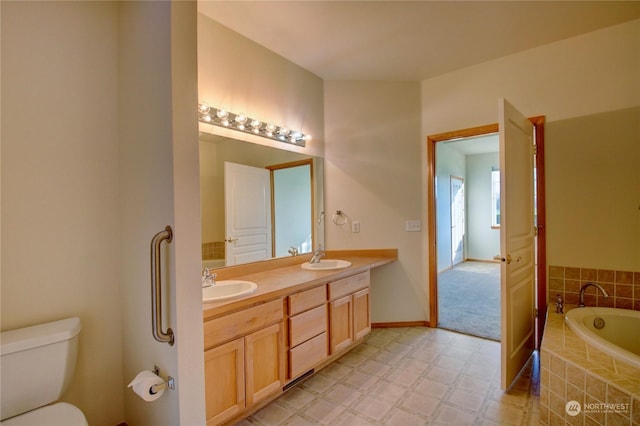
<point x="517" y="237"/>
<point x="247" y="193"/>
<point x="457" y="220"/>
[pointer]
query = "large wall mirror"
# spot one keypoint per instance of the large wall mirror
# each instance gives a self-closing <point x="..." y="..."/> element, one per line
<point x="257" y="202"/>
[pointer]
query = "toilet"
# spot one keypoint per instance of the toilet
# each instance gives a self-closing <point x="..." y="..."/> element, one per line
<point x="36" y="367"/>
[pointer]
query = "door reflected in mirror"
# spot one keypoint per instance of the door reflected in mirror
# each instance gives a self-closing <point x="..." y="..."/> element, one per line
<point x="257" y="202"/>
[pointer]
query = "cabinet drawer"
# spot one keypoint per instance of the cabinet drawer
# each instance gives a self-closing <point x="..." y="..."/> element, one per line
<point x="241" y="323"/>
<point x="307" y="299"/>
<point x="306" y="325"/>
<point x="348" y="285"/>
<point x="307" y="355"/>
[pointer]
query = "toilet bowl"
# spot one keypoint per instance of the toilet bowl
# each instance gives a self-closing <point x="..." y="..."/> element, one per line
<point x="36" y="367"/>
<point x="58" y="414"/>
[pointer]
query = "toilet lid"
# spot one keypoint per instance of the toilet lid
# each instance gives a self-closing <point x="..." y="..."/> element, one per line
<point x="60" y="414"/>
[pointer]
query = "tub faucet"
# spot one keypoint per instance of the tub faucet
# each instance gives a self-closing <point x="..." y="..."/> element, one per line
<point x="584" y="287"/>
<point x="208" y="279"/>
<point x="317" y="254"/>
<point x="559" y="304"/>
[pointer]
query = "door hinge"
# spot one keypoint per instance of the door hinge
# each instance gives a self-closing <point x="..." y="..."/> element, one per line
<point x="535" y="149"/>
<point x="535" y="231"/>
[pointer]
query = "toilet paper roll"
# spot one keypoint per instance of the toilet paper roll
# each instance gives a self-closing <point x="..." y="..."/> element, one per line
<point x="142" y="385"/>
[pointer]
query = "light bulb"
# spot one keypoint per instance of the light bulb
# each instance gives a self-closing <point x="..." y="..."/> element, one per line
<point x="307" y="138"/>
<point x="207" y="118"/>
<point x="204" y="108"/>
<point x="241" y="118"/>
<point x="222" y="114"/>
<point x="283" y="131"/>
<point x="256" y="124"/>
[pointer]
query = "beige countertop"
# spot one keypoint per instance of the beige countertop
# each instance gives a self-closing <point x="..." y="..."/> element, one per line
<point x="279" y="277"/>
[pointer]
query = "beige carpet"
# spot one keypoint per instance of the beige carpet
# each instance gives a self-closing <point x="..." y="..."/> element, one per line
<point x="469" y="299"/>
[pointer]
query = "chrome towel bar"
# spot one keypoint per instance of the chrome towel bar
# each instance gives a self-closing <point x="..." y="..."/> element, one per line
<point x="156" y="288"/>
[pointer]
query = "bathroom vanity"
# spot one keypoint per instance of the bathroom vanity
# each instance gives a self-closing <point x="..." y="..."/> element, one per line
<point x="297" y="322"/>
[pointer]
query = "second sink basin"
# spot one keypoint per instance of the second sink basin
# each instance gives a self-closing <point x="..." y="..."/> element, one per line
<point x="326" y="264"/>
<point x="227" y="289"/>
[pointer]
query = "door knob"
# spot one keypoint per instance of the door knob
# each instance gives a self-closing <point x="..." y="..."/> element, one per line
<point x="509" y="259"/>
<point x="231" y="240"/>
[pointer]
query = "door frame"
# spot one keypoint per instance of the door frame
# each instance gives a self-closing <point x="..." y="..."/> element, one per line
<point x="541" y="269"/>
<point x="461" y="179"/>
<point x="291" y="164"/>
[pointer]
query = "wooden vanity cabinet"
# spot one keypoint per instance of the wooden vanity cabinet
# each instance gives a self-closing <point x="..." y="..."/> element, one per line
<point x="244" y="359"/>
<point x="307" y="330"/>
<point x="349" y="311"/>
<point x="224" y="381"/>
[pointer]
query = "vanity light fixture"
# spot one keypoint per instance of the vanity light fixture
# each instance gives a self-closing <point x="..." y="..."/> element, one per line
<point x="239" y="121"/>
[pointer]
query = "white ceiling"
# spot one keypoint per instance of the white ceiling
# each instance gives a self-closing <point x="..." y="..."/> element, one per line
<point x="474" y="145"/>
<point x="408" y="40"/>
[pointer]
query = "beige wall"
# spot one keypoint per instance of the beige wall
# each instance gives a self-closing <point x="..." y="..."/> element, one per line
<point x="372" y="174"/>
<point x="592" y="172"/>
<point x="60" y="225"/>
<point x="242" y="76"/>
<point x="588" y="74"/>
<point x="158" y="154"/>
<point x="593" y="163"/>
<point x="93" y="99"/>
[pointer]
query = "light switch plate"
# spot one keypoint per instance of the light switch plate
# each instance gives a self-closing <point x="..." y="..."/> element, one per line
<point x="355" y="226"/>
<point x="413" y="226"/>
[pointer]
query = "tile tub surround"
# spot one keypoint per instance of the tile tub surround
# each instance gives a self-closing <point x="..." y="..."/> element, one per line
<point x="571" y="370"/>
<point x="623" y="287"/>
<point x="409" y="376"/>
<point x="213" y="250"/>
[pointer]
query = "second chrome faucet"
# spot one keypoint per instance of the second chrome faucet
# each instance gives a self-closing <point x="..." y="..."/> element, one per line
<point x="587" y="285"/>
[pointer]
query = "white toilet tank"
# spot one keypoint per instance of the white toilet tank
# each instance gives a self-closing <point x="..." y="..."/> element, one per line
<point x="36" y="365"/>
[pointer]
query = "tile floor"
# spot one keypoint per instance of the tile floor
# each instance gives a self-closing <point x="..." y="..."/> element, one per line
<point x="406" y="377"/>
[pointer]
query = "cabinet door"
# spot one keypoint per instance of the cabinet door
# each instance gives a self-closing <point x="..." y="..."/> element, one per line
<point x="224" y="381"/>
<point x="264" y="360"/>
<point x="340" y="323"/>
<point x="361" y="314"/>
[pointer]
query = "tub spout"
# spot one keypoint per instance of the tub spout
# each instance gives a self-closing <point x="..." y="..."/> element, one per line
<point x="584" y="287"/>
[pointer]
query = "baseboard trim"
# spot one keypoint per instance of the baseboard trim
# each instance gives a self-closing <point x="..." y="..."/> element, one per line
<point x="494" y="260"/>
<point x="400" y="324"/>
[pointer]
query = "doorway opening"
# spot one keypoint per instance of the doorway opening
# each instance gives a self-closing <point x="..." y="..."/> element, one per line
<point x="467" y="236"/>
<point x="475" y="265"/>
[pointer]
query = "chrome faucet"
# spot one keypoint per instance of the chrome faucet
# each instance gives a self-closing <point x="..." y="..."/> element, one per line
<point x="584" y="287"/>
<point x="559" y="304"/>
<point x="208" y="279"/>
<point x="293" y="251"/>
<point x="317" y="254"/>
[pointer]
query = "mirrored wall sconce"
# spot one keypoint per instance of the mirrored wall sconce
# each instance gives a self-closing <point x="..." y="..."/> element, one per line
<point x="239" y="121"/>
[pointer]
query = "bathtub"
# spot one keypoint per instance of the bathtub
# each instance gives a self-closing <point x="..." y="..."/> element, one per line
<point x="615" y="332"/>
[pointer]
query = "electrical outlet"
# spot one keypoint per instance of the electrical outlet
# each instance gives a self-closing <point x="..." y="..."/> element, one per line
<point x="355" y="226"/>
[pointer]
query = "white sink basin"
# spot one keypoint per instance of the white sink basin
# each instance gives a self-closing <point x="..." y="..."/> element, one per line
<point x="227" y="289"/>
<point x="326" y="264"/>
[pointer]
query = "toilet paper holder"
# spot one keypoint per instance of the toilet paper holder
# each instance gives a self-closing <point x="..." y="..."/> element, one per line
<point x="170" y="383"/>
